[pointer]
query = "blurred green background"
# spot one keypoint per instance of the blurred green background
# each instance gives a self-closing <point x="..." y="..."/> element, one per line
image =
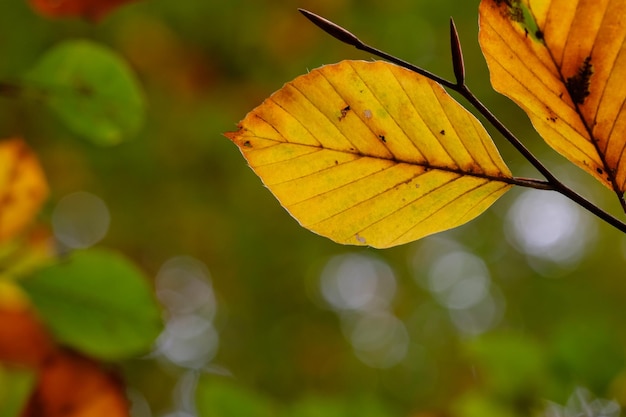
<point x="496" y="318"/>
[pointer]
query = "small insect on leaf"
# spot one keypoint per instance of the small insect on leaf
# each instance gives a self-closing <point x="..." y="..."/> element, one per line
<point x="383" y="173"/>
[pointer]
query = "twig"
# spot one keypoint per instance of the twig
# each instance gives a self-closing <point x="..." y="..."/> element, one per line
<point x="459" y="86"/>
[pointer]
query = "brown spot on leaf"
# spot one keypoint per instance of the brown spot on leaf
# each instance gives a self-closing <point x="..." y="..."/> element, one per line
<point x="551" y="115"/>
<point x="247" y="144"/>
<point x="442" y="132"/>
<point x="344" y="112"/>
<point x="578" y="85"/>
<point x="382" y="138"/>
<point x="511" y="9"/>
<point x="600" y="171"/>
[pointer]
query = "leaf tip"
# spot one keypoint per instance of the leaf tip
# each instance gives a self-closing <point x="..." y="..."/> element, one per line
<point x="238" y="138"/>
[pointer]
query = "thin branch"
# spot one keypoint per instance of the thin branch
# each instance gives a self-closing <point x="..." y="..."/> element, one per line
<point x="345" y="36"/>
<point x="552" y="182"/>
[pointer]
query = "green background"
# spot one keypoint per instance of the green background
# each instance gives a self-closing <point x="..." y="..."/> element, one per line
<point x="179" y="188"/>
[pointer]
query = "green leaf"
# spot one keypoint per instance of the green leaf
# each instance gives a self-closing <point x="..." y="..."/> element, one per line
<point x="16" y="386"/>
<point x="97" y="302"/>
<point x="216" y="397"/>
<point x="92" y="90"/>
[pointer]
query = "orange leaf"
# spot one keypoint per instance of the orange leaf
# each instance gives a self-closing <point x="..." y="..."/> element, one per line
<point x="23" y="340"/>
<point x="74" y="386"/>
<point x="23" y="187"/>
<point x="69" y="385"/>
<point x="88" y="9"/>
<point x="562" y="62"/>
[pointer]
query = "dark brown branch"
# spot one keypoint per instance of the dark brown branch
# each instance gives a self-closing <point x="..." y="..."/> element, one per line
<point x="552" y="182"/>
<point x="345" y="36"/>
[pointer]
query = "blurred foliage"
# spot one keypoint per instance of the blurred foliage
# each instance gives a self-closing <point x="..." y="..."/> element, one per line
<point x="278" y="345"/>
<point x="96" y="302"/>
<point x="91" y="89"/>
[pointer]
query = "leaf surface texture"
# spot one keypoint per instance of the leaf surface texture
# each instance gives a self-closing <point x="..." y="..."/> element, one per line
<point x="564" y="63"/>
<point x="369" y="153"/>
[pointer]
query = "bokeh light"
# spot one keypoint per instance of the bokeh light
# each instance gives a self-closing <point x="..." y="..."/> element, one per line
<point x="357" y="282"/>
<point x="189" y="339"/>
<point x="547" y="226"/>
<point x="459" y="281"/>
<point x="379" y="339"/>
<point x="80" y="220"/>
<point x="361" y="289"/>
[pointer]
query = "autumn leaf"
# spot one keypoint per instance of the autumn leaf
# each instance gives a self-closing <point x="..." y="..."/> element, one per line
<point x="67" y="384"/>
<point x="562" y="62"/>
<point x="23" y="339"/>
<point x="71" y="385"/>
<point x="88" y="9"/>
<point x="368" y="153"/>
<point x="23" y="187"/>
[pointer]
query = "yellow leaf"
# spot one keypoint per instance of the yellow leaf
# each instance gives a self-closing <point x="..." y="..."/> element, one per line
<point x="369" y="153"/>
<point x="562" y="62"/>
<point x="23" y="187"/>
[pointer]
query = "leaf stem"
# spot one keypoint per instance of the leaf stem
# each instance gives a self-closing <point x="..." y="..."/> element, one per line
<point x="551" y="183"/>
<point x="532" y="183"/>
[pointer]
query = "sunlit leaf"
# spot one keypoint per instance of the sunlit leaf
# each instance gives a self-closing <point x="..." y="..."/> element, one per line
<point x="92" y="90"/>
<point x="88" y="9"/>
<point x="562" y="62"/>
<point x="368" y="153"/>
<point x="97" y="302"/>
<point x="23" y="187"/>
